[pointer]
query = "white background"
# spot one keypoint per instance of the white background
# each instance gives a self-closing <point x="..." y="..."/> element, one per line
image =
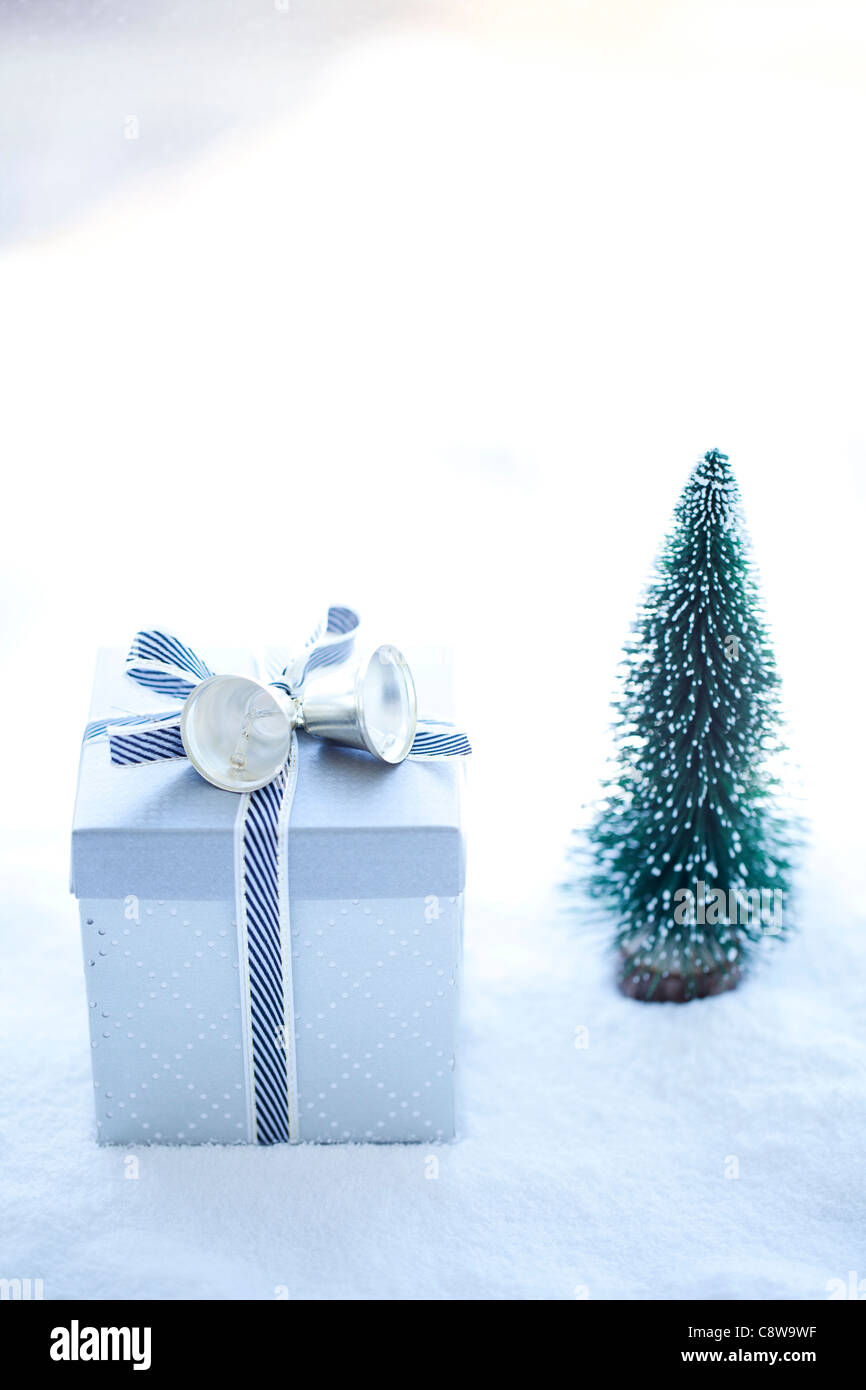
<point x="429" y="308"/>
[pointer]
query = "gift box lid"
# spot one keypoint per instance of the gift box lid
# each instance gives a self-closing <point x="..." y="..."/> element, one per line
<point x="358" y="828"/>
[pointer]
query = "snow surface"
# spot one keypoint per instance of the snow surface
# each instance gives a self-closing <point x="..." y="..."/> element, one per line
<point x="593" y="1171"/>
<point x="320" y="335"/>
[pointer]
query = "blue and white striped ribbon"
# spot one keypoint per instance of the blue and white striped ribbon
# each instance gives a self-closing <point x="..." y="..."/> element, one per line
<point x="98" y="728"/>
<point x="434" y="738"/>
<point x="264" y="934"/>
<point x="151" y="745"/>
<point x="159" y="661"/>
<point x="331" y="643"/>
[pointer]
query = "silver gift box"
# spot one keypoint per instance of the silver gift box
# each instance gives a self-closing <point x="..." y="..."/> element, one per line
<point x="377" y="871"/>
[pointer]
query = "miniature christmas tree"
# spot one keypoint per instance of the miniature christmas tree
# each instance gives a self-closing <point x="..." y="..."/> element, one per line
<point x="690" y="848"/>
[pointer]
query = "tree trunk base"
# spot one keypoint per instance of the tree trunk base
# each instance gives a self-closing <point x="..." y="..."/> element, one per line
<point x="653" y="987"/>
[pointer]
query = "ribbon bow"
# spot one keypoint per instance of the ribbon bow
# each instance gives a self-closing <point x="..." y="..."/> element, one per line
<point x="161" y="662"/>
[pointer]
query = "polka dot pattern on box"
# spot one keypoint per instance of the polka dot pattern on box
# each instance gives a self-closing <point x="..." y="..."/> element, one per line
<point x="375" y="990"/>
<point x="165" y="1021"/>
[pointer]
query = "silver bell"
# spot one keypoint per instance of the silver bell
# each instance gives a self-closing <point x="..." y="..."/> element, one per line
<point x="371" y="706"/>
<point x="237" y="732"/>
